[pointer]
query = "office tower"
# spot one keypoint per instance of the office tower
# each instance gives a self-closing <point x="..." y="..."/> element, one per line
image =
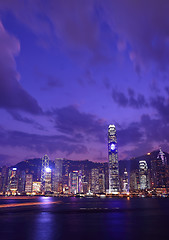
<point x="4" y="179"/>
<point x="1" y="182"/>
<point x="21" y="182"/>
<point x="125" y="183"/>
<point x="48" y="180"/>
<point x="101" y="182"/>
<point x="57" y="180"/>
<point x="143" y="175"/>
<point x="65" y="176"/>
<point x="158" y="171"/>
<point x="75" y="182"/>
<point x="95" y="180"/>
<point x="36" y="187"/>
<point x="113" y="161"/>
<point x="45" y="165"/>
<point x="28" y="183"/>
<point x="13" y="181"/>
<point x="163" y="158"/>
<point x="134" y="180"/>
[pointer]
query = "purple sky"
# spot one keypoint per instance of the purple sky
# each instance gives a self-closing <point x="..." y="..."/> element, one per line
<point x="70" y="68"/>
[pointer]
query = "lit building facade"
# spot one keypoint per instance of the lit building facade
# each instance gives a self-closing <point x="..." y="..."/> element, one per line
<point x="36" y="187"/>
<point x="134" y="180"/>
<point x="48" y="180"/>
<point x="21" y="182"/>
<point x="114" y="186"/>
<point x="45" y="165"/>
<point x="125" y="182"/>
<point x="13" y="181"/>
<point x="28" y="183"/>
<point x="143" y="175"/>
<point x="57" y="181"/>
<point x="159" y="170"/>
<point x="101" y="182"/>
<point x="95" y="180"/>
<point x="75" y="182"/>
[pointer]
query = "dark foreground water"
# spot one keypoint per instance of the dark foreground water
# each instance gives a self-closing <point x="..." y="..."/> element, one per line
<point x="76" y="218"/>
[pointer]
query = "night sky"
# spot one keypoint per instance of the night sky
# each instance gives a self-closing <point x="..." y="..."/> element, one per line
<point x="69" y="68"/>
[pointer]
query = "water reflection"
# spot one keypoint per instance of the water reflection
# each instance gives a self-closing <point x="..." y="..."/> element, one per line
<point x="122" y="219"/>
<point x="45" y="226"/>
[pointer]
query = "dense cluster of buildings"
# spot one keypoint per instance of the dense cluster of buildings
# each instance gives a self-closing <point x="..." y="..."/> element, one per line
<point x="65" y="177"/>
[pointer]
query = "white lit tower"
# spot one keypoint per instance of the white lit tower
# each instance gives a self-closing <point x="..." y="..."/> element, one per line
<point x="113" y="161"/>
<point x="44" y="169"/>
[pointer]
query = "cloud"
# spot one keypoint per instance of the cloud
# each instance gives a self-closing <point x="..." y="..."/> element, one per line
<point x="143" y="26"/>
<point x="18" y="117"/>
<point x="71" y="121"/>
<point x="129" y="100"/>
<point x="72" y="22"/>
<point x="161" y="104"/>
<point x="140" y="28"/>
<point x="130" y="134"/>
<point x="41" y="143"/>
<point x="76" y="27"/>
<point x="12" y="95"/>
<point x="143" y="136"/>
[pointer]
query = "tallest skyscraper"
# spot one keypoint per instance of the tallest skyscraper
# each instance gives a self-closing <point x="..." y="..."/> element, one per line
<point x="113" y="161"/>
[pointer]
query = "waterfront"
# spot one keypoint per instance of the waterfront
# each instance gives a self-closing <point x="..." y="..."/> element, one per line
<point x="85" y="218"/>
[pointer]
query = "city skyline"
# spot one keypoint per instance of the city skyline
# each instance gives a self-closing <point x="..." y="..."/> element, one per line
<point x="70" y="69"/>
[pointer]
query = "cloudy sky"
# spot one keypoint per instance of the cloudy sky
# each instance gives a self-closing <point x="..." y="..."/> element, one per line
<point x="69" y="68"/>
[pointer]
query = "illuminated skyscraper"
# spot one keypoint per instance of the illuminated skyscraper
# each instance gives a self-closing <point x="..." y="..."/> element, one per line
<point x="143" y="174"/>
<point x="125" y="184"/>
<point x="48" y="181"/>
<point x="75" y="182"/>
<point x="113" y="161"/>
<point x="28" y="184"/>
<point x="57" y="181"/>
<point x="45" y="165"/>
<point x="158" y="170"/>
<point x="13" y="181"/>
<point x="95" y="180"/>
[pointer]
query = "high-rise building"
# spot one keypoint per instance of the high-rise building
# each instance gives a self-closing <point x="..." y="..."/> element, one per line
<point x="114" y="186"/>
<point x="21" y="182"/>
<point x="75" y="182"/>
<point x="45" y="165"/>
<point x="48" y="180"/>
<point x="143" y="175"/>
<point x="57" y="180"/>
<point x="158" y="170"/>
<point x="125" y="182"/>
<point x="134" y="180"/>
<point x="28" y="183"/>
<point x="101" y="182"/>
<point x="13" y="181"/>
<point x="95" y="180"/>
<point x="1" y="183"/>
<point x="4" y="178"/>
<point x="36" y="187"/>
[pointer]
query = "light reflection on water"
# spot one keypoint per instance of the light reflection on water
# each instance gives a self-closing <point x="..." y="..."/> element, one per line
<point x="45" y="227"/>
<point x="75" y="218"/>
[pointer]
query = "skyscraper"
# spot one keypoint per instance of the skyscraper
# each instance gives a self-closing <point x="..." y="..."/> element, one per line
<point x="95" y="180"/>
<point x="113" y="161"/>
<point x="28" y="184"/>
<point x="57" y="181"/>
<point x="143" y="175"/>
<point x="75" y="182"/>
<point x="45" y="165"/>
<point x="125" y="183"/>
<point x="13" y="180"/>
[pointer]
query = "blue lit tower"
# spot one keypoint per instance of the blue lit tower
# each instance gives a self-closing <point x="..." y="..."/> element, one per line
<point x="113" y="161"/>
